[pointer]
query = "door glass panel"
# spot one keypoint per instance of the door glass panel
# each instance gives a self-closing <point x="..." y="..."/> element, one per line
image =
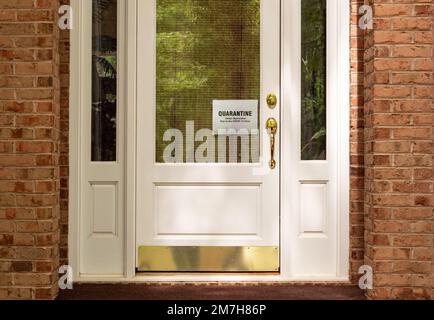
<point x="104" y="79"/>
<point x="313" y="80"/>
<point x="208" y="68"/>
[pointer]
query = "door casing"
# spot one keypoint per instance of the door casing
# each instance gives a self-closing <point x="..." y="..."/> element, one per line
<point x="338" y="75"/>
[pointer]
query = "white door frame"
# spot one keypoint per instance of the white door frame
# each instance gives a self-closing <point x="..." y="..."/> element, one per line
<point x="338" y="26"/>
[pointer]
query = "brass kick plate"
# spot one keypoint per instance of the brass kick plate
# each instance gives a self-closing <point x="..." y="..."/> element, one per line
<point x="208" y="259"/>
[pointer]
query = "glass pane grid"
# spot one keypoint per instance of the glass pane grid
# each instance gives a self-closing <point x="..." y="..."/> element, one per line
<point x="207" y="52"/>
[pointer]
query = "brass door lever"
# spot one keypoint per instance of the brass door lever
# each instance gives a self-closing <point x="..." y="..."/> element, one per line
<point x="272" y="128"/>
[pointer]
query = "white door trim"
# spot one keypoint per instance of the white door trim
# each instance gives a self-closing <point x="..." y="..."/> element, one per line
<point x="339" y="25"/>
<point x="342" y="96"/>
<point x="131" y="136"/>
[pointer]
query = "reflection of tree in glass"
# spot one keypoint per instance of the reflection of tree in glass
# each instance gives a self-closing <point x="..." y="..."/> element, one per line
<point x="313" y="104"/>
<point x="206" y="50"/>
<point x="104" y="80"/>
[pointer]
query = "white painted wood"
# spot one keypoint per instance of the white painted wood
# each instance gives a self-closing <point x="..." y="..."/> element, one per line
<point x="178" y="206"/>
<point x="74" y="198"/>
<point x="209" y="277"/>
<point x="209" y="210"/>
<point x="104" y="209"/>
<point x="290" y="25"/>
<point x="316" y="211"/>
<point x="342" y="96"/>
<point x="131" y="138"/>
<point x="313" y="203"/>
<point x="98" y="219"/>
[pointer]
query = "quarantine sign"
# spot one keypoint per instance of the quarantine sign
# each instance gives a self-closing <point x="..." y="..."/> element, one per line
<point x="235" y="116"/>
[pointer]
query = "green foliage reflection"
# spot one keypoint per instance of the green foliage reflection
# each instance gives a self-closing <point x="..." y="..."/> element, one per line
<point x="313" y="80"/>
<point x="206" y="50"/>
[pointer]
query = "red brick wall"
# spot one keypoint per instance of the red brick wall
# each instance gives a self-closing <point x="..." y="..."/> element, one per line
<point x="399" y="139"/>
<point x="29" y="148"/>
<point x="357" y="173"/>
<point x="432" y="57"/>
<point x="64" y="141"/>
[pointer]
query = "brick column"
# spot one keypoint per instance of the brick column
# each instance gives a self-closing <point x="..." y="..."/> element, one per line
<point x="29" y="149"/>
<point x="399" y="148"/>
<point x="357" y="151"/>
<point x="64" y="141"/>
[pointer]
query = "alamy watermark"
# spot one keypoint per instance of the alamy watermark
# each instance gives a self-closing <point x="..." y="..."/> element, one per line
<point x="366" y="281"/>
<point x="366" y="20"/>
<point x="66" y="279"/>
<point x="66" y="18"/>
<point x="184" y="148"/>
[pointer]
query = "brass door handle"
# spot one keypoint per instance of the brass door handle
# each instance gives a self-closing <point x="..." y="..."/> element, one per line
<point x="272" y="128"/>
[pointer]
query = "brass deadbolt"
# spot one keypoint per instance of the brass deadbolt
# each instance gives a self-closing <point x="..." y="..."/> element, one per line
<point x="272" y="101"/>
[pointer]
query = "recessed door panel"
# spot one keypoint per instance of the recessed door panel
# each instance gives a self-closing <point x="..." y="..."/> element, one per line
<point x="213" y="210"/>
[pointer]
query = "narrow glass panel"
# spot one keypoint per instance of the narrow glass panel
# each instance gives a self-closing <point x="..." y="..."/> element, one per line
<point x="104" y="79"/>
<point x="208" y="81"/>
<point x="313" y="80"/>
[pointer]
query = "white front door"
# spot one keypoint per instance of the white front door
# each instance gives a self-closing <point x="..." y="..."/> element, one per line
<point x="207" y="166"/>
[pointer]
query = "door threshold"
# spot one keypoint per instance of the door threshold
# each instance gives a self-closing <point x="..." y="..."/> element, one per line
<point x="207" y="277"/>
<point x="206" y="274"/>
<point x="141" y="277"/>
<point x="235" y="277"/>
